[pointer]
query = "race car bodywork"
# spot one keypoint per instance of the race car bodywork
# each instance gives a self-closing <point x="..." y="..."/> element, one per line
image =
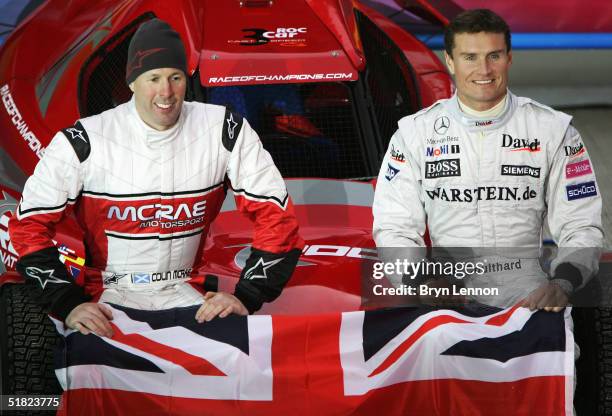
<point x="307" y="74"/>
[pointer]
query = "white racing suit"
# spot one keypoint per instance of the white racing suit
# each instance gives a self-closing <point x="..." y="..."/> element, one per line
<point x="145" y="200"/>
<point x="491" y="183"/>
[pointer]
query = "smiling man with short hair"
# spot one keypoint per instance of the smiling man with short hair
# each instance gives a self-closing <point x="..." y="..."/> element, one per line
<point x="145" y="180"/>
<point x="485" y="168"/>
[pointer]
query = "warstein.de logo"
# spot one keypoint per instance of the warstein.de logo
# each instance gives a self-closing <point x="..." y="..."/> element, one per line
<point x="442" y="168"/>
<point x="520" y="145"/>
<point x="441" y="125"/>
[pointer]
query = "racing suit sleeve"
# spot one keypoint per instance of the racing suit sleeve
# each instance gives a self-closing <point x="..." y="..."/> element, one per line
<point x="398" y="209"/>
<point x="574" y="213"/>
<point x="47" y="197"/>
<point x="261" y="195"/>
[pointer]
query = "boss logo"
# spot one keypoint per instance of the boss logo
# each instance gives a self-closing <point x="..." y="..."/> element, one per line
<point x="442" y="168"/>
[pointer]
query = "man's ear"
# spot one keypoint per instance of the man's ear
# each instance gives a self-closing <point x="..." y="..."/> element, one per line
<point x="449" y="63"/>
<point x="131" y="86"/>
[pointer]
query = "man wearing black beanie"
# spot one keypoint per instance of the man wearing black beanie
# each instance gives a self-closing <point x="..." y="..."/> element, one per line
<point x="145" y="180"/>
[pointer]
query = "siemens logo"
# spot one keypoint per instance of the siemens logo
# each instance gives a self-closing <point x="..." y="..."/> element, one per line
<point x="581" y="190"/>
<point x="512" y="170"/>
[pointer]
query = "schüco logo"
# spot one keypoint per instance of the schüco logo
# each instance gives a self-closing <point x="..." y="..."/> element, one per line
<point x="157" y="212"/>
<point x="520" y="145"/>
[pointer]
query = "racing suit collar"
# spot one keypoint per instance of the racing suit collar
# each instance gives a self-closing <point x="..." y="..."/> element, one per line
<point x="148" y="133"/>
<point x="481" y="123"/>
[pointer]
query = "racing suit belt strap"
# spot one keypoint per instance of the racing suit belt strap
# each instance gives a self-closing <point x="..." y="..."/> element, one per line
<point x="144" y="279"/>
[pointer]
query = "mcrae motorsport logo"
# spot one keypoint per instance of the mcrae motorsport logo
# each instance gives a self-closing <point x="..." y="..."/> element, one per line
<point x="397" y="155"/>
<point x="442" y="168"/>
<point x="581" y="190"/>
<point x="391" y="172"/>
<point x="520" y="145"/>
<point x="512" y="170"/>
<point x="442" y="150"/>
<point x="481" y="193"/>
<point x="160" y="215"/>
<point x="572" y="151"/>
<point x="441" y="125"/>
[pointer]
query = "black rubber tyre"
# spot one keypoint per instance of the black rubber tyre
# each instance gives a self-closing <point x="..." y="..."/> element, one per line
<point x="27" y="345"/>
<point x="593" y="334"/>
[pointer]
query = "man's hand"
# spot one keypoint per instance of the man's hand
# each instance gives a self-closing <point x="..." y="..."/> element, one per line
<point x="219" y="303"/>
<point x="91" y="317"/>
<point x="550" y="297"/>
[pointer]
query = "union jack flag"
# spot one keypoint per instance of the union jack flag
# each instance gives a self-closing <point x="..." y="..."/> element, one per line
<point x="409" y="361"/>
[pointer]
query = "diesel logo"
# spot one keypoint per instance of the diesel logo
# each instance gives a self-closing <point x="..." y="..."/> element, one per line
<point x="442" y="168"/>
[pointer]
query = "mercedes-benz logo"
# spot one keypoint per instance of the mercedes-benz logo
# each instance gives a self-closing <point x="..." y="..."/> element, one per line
<point x="441" y="125"/>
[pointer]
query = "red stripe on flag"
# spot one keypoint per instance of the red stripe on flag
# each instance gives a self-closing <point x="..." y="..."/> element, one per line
<point x="195" y="365"/>
<point x="445" y="397"/>
<point x="499" y="320"/>
<point x="404" y="346"/>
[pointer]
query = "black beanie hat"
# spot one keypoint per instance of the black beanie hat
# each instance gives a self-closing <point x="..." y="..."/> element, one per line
<point x="154" y="45"/>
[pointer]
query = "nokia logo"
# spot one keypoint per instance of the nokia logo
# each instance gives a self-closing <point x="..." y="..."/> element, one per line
<point x="442" y="168"/>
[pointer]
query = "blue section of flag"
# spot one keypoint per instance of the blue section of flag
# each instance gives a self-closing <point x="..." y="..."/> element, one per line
<point x="74" y="271"/>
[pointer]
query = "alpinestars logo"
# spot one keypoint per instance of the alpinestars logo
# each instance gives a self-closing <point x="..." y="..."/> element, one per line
<point x="139" y="56"/>
<point x="43" y="276"/>
<point x="113" y="279"/>
<point x="231" y="126"/>
<point x="520" y="145"/>
<point x="76" y="134"/>
<point x="259" y="270"/>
